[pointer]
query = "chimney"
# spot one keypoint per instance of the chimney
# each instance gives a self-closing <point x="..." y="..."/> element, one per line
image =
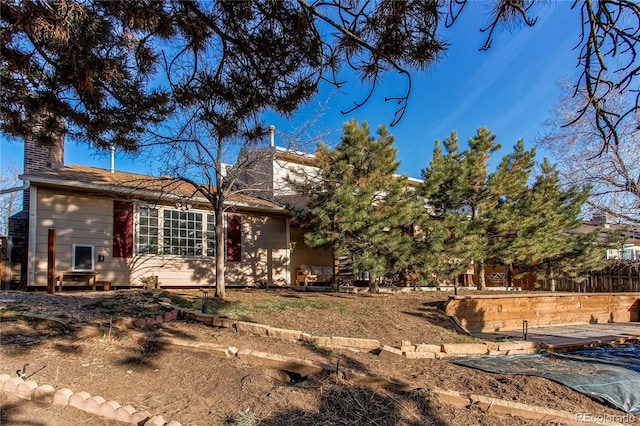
<point x="39" y="155"/>
<point x="272" y="132"/>
<point x="47" y="154"/>
<point x="601" y="219"/>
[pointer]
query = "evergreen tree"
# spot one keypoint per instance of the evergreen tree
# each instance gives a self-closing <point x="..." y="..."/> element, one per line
<point x="97" y="64"/>
<point x="477" y="217"/>
<point x="442" y="251"/>
<point x="457" y="189"/>
<point x="507" y="242"/>
<point x="361" y="208"/>
<point x="479" y="198"/>
<point x="556" y="246"/>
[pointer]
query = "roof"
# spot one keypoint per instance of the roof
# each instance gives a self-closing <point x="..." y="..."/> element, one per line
<point x="92" y="179"/>
<point x="307" y="159"/>
<point x="628" y="233"/>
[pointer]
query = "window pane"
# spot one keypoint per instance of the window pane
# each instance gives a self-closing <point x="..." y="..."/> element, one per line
<point x="153" y="245"/>
<point x="82" y="258"/>
<point x="147" y="230"/>
<point x="210" y="235"/>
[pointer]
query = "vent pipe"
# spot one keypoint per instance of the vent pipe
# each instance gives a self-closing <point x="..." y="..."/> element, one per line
<point x="272" y="132"/>
<point x="113" y="158"/>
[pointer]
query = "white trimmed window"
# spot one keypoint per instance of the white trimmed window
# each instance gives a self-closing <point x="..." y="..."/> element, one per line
<point x="82" y="258"/>
<point x="175" y="232"/>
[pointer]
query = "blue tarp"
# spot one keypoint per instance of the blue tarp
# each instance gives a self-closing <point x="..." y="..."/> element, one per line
<point x="608" y="375"/>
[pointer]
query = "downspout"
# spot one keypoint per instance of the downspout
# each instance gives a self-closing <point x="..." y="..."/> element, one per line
<point x="31" y="244"/>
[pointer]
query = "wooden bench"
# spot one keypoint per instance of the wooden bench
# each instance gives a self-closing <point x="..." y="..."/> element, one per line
<point x="80" y="279"/>
<point x="105" y="285"/>
<point x="309" y="275"/>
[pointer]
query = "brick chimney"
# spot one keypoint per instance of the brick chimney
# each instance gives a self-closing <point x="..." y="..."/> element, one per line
<point x="42" y="153"/>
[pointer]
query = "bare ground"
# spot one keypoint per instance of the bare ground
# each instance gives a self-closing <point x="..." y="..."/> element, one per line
<point x="195" y="388"/>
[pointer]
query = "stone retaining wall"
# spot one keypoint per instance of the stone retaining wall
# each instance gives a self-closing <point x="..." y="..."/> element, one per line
<point x="506" y="312"/>
<point x="407" y="349"/>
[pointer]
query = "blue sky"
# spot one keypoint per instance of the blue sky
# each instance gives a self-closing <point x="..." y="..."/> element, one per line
<point x="510" y="89"/>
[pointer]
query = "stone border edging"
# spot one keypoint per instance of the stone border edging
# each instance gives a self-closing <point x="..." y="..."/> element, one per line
<point x="303" y="367"/>
<point x="308" y="367"/>
<point x="96" y="405"/>
<point x="112" y="410"/>
<point x="406" y="350"/>
<point x="516" y="409"/>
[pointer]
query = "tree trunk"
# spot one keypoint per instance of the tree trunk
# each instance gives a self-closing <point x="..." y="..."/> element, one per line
<point x="373" y="284"/>
<point x="482" y="283"/>
<point x="552" y="279"/>
<point x="220" y="253"/>
<point x="218" y="205"/>
<point x="336" y="280"/>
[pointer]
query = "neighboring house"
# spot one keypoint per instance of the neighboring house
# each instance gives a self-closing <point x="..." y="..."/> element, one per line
<point x="628" y="235"/>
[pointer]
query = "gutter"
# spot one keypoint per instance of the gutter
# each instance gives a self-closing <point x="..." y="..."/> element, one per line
<point x="24" y="187"/>
<point x="142" y="193"/>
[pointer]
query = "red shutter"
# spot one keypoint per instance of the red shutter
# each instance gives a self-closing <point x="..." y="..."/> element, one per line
<point x="122" y="229"/>
<point x="234" y="238"/>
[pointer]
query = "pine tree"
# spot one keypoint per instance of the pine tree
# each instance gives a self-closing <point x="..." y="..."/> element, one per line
<point x="474" y="213"/>
<point x="96" y="64"/>
<point x="477" y="217"/>
<point x="361" y="208"/>
<point x="507" y="243"/>
<point x="556" y="246"/>
<point x="478" y="197"/>
<point x="442" y="251"/>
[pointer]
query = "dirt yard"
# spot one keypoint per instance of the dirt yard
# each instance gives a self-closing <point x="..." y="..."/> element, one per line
<point x="195" y="388"/>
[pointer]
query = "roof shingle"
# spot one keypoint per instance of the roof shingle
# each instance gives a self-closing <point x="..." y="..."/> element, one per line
<point x="132" y="184"/>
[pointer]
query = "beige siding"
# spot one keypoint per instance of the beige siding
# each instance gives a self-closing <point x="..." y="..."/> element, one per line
<point x="264" y="252"/>
<point x="304" y="255"/>
<point x="76" y="219"/>
<point x="86" y="219"/>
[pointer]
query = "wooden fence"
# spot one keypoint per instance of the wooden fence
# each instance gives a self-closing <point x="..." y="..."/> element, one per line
<point x="3" y="264"/>
<point x="621" y="276"/>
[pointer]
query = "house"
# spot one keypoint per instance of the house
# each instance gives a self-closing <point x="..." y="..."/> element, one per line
<point x="124" y="227"/>
<point x="627" y="235"/>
